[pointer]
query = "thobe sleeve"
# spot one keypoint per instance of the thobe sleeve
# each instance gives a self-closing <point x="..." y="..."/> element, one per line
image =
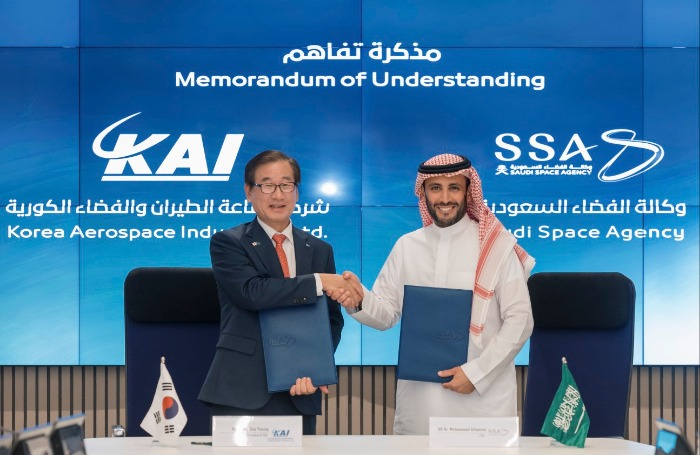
<point x="381" y="307"/>
<point x="513" y="298"/>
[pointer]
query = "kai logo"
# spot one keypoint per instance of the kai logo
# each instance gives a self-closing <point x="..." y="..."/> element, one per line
<point x="280" y="433"/>
<point x="186" y="160"/>
<point x="280" y="341"/>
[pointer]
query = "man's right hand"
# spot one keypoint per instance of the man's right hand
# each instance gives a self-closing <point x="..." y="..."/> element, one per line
<point x="345" y="289"/>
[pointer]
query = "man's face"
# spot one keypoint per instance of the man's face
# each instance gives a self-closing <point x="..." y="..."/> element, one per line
<point x="273" y="209"/>
<point x="446" y="199"/>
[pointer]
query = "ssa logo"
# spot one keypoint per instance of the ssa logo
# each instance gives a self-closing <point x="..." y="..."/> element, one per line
<point x="186" y="160"/>
<point x="448" y="335"/>
<point x="647" y="155"/>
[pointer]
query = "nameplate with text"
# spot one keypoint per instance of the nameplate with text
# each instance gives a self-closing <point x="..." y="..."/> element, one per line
<point x="474" y="432"/>
<point x="256" y="431"/>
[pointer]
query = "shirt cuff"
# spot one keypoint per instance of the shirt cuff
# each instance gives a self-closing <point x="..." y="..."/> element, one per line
<point x="319" y="286"/>
<point x="476" y="376"/>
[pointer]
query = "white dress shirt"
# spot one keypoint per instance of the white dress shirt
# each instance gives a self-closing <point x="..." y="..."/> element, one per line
<point x="288" y="247"/>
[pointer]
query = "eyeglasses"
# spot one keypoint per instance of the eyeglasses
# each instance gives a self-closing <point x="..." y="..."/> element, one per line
<point x="269" y="188"/>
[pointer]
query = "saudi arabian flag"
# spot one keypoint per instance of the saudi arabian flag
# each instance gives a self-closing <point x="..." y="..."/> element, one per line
<point x="567" y="420"/>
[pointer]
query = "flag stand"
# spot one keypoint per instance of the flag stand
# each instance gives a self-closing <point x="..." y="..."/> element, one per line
<point x="166" y="418"/>
<point x="567" y="420"/>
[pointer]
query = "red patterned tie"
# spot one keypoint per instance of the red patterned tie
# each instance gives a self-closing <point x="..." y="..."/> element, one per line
<point x="279" y="239"/>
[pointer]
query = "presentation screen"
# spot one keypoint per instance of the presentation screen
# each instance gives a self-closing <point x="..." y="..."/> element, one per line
<point x="126" y="148"/>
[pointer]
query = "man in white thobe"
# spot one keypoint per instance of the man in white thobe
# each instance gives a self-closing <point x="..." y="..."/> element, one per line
<point x="473" y="252"/>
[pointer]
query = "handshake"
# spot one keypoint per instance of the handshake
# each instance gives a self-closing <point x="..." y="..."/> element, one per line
<point x="346" y="289"/>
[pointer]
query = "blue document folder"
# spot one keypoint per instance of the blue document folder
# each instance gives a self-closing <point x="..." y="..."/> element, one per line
<point x="434" y="332"/>
<point x="297" y="343"/>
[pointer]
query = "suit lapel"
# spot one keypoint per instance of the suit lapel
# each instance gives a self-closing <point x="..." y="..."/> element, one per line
<point x="303" y="252"/>
<point x="263" y="248"/>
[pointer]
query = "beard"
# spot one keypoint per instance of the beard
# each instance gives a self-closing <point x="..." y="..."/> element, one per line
<point x="446" y="222"/>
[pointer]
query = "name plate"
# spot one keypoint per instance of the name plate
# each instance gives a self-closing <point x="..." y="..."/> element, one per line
<point x="474" y="432"/>
<point x="256" y="431"/>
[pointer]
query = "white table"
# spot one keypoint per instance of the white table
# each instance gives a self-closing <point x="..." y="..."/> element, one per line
<point x="361" y="445"/>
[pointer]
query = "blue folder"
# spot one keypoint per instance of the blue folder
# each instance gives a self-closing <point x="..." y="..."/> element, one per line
<point x="434" y="332"/>
<point x="297" y="343"/>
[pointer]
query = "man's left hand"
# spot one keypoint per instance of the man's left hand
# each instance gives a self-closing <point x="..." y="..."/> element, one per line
<point x="304" y="386"/>
<point x="460" y="383"/>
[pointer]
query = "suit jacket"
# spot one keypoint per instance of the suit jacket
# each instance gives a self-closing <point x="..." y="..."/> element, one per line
<point x="249" y="278"/>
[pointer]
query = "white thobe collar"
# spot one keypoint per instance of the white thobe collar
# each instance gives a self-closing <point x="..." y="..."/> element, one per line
<point x="459" y="227"/>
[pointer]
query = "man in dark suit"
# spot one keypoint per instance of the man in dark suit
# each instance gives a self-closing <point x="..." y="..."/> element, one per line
<point x="256" y="269"/>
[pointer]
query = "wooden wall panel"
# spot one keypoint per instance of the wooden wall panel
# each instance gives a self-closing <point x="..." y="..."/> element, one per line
<point x="362" y="403"/>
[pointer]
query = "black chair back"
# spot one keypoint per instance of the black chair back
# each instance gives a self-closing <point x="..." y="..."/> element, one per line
<point x="589" y="319"/>
<point x="173" y="313"/>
